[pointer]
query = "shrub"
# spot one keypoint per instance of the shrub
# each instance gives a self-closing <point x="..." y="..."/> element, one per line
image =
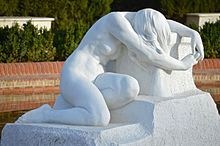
<point x="65" y="42"/>
<point x="211" y="39"/>
<point x="67" y="13"/>
<point x="72" y="19"/>
<point x="27" y="44"/>
<point x="176" y="9"/>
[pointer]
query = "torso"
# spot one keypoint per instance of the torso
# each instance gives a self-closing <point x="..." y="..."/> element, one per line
<point x="95" y="50"/>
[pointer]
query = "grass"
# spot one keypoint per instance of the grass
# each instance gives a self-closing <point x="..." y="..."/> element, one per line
<point x="9" y="117"/>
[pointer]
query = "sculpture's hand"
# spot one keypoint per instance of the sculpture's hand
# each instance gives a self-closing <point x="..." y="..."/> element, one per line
<point x="184" y="31"/>
<point x="196" y="44"/>
<point x="190" y="60"/>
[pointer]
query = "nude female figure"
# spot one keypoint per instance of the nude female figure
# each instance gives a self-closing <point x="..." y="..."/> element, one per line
<point x="87" y="92"/>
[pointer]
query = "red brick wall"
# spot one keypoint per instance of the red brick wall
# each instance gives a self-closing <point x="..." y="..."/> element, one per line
<point x="21" y="84"/>
<point x="21" y="78"/>
<point x="208" y="64"/>
<point x="30" y="68"/>
<point x="28" y="85"/>
<point x="207" y="77"/>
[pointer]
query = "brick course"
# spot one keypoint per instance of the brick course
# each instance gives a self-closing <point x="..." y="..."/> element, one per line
<point x="22" y="69"/>
<point x="207" y="77"/>
<point x="208" y="64"/>
<point x="43" y="77"/>
<point x="29" y="77"/>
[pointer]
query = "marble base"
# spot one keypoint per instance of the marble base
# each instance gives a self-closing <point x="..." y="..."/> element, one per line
<point x="189" y="120"/>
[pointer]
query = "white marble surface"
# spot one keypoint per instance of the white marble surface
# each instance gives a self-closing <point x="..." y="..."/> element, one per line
<point x="147" y="58"/>
<point x="189" y="120"/>
<point x="168" y="110"/>
<point x="154" y="81"/>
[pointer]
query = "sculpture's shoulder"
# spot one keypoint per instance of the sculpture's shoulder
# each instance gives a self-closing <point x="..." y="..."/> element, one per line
<point x="125" y="14"/>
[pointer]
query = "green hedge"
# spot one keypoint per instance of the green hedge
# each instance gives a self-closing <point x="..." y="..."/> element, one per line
<point x="27" y="44"/>
<point x="210" y="33"/>
<point x="67" y="13"/>
<point x="65" y="41"/>
<point x="176" y="9"/>
<point x="30" y="44"/>
<point x="72" y="19"/>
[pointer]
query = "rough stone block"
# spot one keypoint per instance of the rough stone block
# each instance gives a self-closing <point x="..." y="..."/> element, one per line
<point x="189" y="120"/>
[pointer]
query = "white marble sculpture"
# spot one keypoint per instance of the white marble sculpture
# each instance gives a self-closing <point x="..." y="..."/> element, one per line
<point x="88" y="93"/>
<point x="129" y="83"/>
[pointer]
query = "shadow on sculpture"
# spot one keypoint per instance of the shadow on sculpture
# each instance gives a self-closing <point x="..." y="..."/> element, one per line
<point x="88" y="93"/>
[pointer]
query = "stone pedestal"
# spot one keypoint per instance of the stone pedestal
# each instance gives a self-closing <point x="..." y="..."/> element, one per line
<point x="189" y="120"/>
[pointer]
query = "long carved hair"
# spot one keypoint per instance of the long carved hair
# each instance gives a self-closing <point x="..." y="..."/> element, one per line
<point x="153" y="28"/>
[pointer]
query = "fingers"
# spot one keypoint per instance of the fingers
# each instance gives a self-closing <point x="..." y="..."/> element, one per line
<point x="201" y="51"/>
<point x="195" y="62"/>
<point x="196" y="44"/>
<point x="198" y="51"/>
<point x="202" y="55"/>
<point x="197" y="56"/>
<point x="193" y="46"/>
<point x="201" y="58"/>
<point x="194" y="59"/>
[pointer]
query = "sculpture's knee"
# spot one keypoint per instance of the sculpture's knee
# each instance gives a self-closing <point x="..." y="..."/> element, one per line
<point x="130" y="87"/>
<point x="100" y="118"/>
<point x="104" y="118"/>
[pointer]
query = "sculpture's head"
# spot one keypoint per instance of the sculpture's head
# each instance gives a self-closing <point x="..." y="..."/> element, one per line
<point x="153" y="28"/>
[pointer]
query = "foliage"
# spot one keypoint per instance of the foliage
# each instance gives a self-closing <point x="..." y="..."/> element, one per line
<point x="67" y="13"/>
<point x="176" y="9"/>
<point x="72" y="19"/>
<point x="211" y="39"/>
<point x="27" y="44"/>
<point x="66" y="41"/>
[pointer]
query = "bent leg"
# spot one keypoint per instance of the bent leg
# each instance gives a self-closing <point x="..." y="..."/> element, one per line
<point x="89" y="107"/>
<point x="60" y="103"/>
<point x="117" y="89"/>
<point x="73" y="116"/>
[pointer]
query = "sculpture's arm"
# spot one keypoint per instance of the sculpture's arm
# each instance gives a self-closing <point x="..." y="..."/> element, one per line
<point x="184" y="31"/>
<point x="121" y="29"/>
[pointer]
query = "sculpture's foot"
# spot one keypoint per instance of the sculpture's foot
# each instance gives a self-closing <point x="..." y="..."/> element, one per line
<point x="35" y="116"/>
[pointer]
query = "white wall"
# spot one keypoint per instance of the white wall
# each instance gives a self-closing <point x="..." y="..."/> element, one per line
<point x="40" y="22"/>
